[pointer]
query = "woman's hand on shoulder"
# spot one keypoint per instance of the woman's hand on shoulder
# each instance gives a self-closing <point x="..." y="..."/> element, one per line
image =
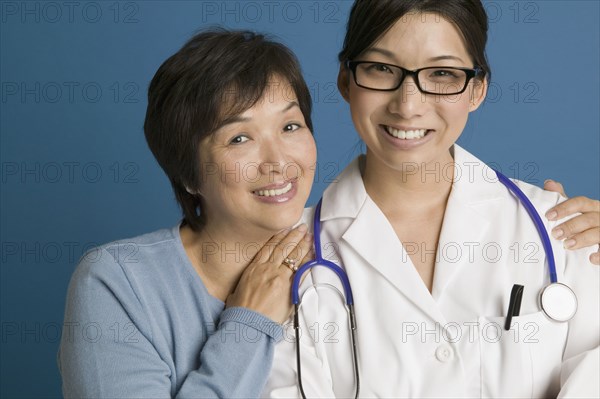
<point x="265" y="285"/>
<point x="582" y="230"/>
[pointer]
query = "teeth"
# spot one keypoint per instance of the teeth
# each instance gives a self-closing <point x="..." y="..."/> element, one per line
<point x="272" y="193"/>
<point x="406" y="134"/>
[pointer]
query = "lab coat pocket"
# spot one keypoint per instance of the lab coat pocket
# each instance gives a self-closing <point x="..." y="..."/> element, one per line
<point x="523" y="362"/>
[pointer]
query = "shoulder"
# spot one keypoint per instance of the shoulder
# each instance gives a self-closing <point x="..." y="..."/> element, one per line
<point x="575" y="260"/>
<point x="508" y="204"/>
<point x="541" y="199"/>
<point x="117" y="263"/>
<point x="481" y="183"/>
<point x="127" y="277"/>
<point x="149" y="244"/>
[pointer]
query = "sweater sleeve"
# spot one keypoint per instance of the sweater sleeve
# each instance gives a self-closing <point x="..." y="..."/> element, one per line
<point x="107" y="348"/>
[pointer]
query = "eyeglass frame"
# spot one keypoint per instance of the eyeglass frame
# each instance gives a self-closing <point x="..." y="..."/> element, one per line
<point x="471" y="73"/>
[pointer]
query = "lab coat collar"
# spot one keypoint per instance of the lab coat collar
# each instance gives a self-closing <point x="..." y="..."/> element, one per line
<point x="473" y="182"/>
<point x="346" y="195"/>
<point x="373" y="237"/>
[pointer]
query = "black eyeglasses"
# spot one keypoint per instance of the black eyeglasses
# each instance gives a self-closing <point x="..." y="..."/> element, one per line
<point x="431" y="80"/>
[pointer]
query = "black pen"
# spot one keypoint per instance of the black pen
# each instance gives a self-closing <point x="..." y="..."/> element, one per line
<point x="514" y="305"/>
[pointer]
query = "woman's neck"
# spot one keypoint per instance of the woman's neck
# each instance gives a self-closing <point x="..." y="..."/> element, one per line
<point x="220" y="257"/>
<point x="411" y="193"/>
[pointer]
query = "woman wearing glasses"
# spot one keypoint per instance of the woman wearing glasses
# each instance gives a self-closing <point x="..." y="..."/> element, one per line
<point x="432" y="242"/>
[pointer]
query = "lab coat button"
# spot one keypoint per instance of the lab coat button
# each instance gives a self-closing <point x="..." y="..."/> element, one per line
<point x="444" y="353"/>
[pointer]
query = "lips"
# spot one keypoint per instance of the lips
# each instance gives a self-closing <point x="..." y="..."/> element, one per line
<point x="277" y="193"/>
<point x="406" y="133"/>
<point x="274" y="191"/>
<point x="406" y="138"/>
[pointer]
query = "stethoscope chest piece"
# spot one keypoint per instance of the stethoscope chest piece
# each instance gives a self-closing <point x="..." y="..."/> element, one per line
<point x="558" y="302"/>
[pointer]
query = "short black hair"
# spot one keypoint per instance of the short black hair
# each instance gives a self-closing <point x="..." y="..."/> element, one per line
<point x="217" y="74"/>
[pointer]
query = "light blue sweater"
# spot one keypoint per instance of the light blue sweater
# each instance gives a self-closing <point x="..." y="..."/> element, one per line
<point x="140" y="323"/>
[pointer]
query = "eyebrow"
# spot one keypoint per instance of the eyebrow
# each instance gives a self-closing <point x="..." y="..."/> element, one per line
<point x="381" y="51"/>
<point x="239" y="118"/>
<point x="445" y="57"/>
<point x="390" y="54"/>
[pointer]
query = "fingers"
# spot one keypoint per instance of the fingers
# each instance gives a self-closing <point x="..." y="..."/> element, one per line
<point x="279" y="241"/>
<point x="280" y="245"/>
<point x="309" y="256"/>
<point x="581" y="231"/>
<point x="587" y="238"/>
<point x="264" y="253"/>
<point x="571" y="206"/>
<point x="294" y="251"/>
<point x="551" y="185"/>
<point x="576" y="225"/>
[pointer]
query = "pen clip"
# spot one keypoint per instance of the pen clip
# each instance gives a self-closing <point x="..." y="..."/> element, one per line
<point x="514" y="305"/>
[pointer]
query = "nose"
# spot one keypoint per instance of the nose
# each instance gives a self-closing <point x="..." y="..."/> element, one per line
<point x="273" y="156"/>
<point x="407" y="101"/>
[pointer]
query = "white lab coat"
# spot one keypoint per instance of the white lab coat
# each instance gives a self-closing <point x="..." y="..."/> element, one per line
<point x="452" y="342"/>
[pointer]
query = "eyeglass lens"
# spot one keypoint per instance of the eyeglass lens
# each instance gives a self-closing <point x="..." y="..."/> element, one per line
<point x="435" y="80"/>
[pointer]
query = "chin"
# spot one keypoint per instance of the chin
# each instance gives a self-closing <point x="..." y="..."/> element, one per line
<point x="284" y="219"/>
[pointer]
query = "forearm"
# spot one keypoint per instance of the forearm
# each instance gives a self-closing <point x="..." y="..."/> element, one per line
<point x="236" y="359"/>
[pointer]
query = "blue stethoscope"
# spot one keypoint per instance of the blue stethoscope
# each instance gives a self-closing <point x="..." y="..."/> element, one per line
<point x="557" y="300"/>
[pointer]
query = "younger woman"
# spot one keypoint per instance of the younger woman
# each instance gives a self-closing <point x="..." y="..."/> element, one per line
<point x="432" y="242"/>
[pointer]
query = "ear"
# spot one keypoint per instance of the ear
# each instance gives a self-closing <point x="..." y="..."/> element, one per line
<point x="191" y="191"/>
<point x="343" y="82"/>
<point x="478" y="94"/>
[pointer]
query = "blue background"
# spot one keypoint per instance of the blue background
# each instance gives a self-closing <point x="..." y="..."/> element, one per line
<point x="76" y="170"/>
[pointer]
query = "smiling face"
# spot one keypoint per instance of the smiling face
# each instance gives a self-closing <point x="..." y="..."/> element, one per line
<point x="407" y="126"/>
<point x="257" y="170"/>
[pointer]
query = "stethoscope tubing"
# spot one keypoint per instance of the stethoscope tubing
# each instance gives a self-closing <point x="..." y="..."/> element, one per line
<point x="537" y="221"/>
<point x="319" y="261"/>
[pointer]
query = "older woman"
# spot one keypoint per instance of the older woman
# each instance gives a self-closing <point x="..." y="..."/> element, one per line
<point x="169" y="314"/>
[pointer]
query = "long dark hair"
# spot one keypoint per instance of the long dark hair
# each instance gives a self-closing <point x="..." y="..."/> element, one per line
<point x="369" y="20"/>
